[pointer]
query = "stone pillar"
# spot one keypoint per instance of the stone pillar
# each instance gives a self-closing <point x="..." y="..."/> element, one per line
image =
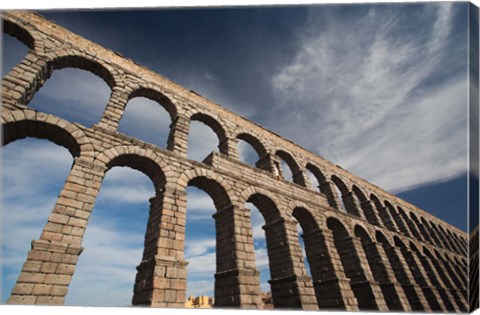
<point x="431" y="293"/>
<point x="265" y="163"/>
<point x="400" y="222"/>
<point x="381" y="269"/>
<point x="115" y="108"/>
<point x="370" y="213"/>
<point x="448" y="284"/>
<point x="291" y="287"/>
<point x="161" y="279"/>
<point x="457" y="277"/>
<point x="229" y="147"/>
<point x="332" y="288"/>
<point x="435" y="280"/>
<point x="237" y="281"/>
<point x="371" y="284"/>
<point x="352" y="205"/>
<point x="21" y="83"/>
<point x="388" y="221"/>
<point x="331" y="194"/>
<point x="403" y="274"/>
<point x="299" y="178"/>
<point x="51" y="262"/>
<point x="178" y="137"/>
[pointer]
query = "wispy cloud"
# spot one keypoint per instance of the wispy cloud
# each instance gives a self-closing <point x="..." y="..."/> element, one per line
<point x="369" y="91"/>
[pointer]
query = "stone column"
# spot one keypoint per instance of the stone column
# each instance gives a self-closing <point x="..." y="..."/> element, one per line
<point x="403" y="274"/>
<point x="388" y="221"/>
<point x="299" y="178"/>
<point x="178" y="137"/>
<point x="402" y="226"/>
<point x="352" y="205"/>
<point x="370" y="283"/>
<point x="21" y="83"/>
<point x="115" y="108"/>
<point x="237" y="281"/>
<point x="265" y="163"/>
<point x="229" y="147"/>
<point x="162" y="275"/>
<point x="431" y="293"/>
<point x="435" y="280"/>
<point x="382" y="271"/>
<point x="448" y="284"/>
<point x="331" y="194"/>
<point x="291" y="287"/>
<point x="51" y="262"/>
<point x="370" y="213"/>
<point x="332" y="288"/>
<point x="457" y="277"/>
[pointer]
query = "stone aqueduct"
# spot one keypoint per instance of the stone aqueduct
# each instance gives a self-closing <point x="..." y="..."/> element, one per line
<point x="381" y="253"/>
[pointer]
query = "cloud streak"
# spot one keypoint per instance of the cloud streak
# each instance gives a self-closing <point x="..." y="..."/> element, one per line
<point x="370" y="87"/>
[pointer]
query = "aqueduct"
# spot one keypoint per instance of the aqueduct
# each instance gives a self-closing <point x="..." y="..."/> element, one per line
<point x="366" y="248"/>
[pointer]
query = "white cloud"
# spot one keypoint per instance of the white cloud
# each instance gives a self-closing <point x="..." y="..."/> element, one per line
<point x="198" y="246"/>
<point x="373" y="98"/>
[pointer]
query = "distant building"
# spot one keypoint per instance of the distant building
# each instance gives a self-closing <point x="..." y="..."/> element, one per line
<point x="267" y="301"/>
<point x="201" y="301"/>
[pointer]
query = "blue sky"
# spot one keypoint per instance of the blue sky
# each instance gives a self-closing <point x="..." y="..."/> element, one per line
<point x="379" y="89"/>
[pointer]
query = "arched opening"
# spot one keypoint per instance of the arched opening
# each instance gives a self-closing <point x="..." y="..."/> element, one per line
<point x="445" y="279"/>
<point x="33" y="174"/>
<point x="114" y="239"/>
<point x="305" y="224"/>
<point x="456" y="275"/>
<point x="400" y="272"/>
<point x="200" y="243"/>
<point x="431" y="230"/>
<point x="397" y="218"/>
<point x="349" y="203"/>
<point x="205" y="135"/>
<point x="73" y="94"/>
<point x="410" y="224"/>
<point x="379" y="270"/>
<point x="441" y="237"/>
<point x="352" y="265"/>
<point x="383" y="213"/>
<point x="15" y="45"/>
<point x="447" y="239"/>
<point x="148" y="116"/>
<point x="420" y="227"/>
<point x="261" y="254"/>
<point x="287" y="168"/>
<point x="251" y="151"/>
<point x="366" y="205"/>
<point x="418" y="275"/>
<point x="434" y="279"/>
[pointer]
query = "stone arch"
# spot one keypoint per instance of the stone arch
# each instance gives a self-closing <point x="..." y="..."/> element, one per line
<point x="420" y="227"/>
<point x="210" y="182"/>
<point x="349" y="257"/>
<point x="13" y="29"/>
<point x="287" y="271"/>
<point x="297" y="174"/>
<point x="433" y="234"/>
<point x="381" y="274"/>
<point x="255" y="142"/>
<point x="399" y="269"/>
<point x="347" y="197"/>
<point x="366" y="205"/>
<point x="97" y="67"/>
<point x="28" y="123"/>
<point x="156" y="96"/>
<point x="410" y="224"/>
<point x="143" y="160"/>
<point x="397" y="217"/>
<point x="324" y="185"/>
<point x="383" y="213"/>
<point x="457" y="276"/>
<point x="418" y="275"/>
<point x="445" y="277"/>
<point x="217" y="128"/>
<point x="447" y="240"/>
<point x="441" y="236"/>
<point x="457" y="245"/>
